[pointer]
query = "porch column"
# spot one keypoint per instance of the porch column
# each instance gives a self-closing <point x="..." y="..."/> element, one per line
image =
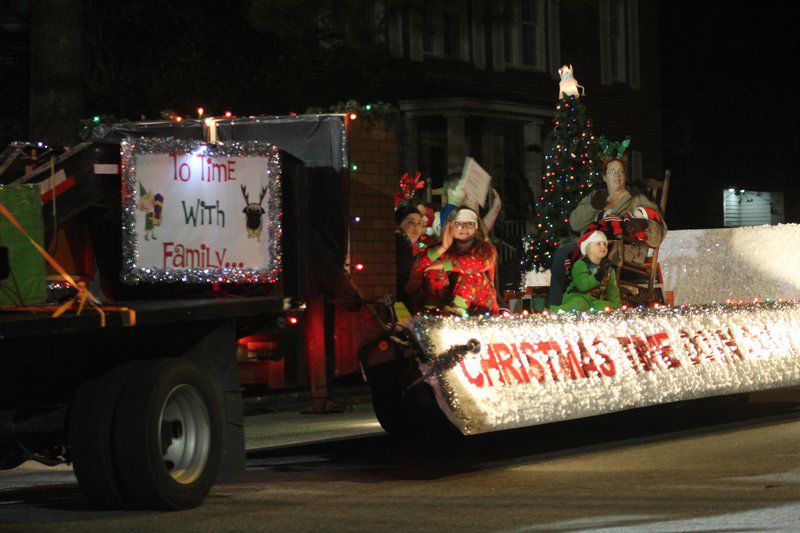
<point x="532" y="161"/>
<point x="492" y="153"/>
<point x="411" y="144"/>
<point x="456" y="142"/>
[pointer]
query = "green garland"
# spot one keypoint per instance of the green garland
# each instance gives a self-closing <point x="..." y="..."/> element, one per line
<point x="370" y="112"/>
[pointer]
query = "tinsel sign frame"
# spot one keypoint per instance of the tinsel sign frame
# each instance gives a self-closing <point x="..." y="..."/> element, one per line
<point x="185" y="211"/>
<point x="541" y="369"/>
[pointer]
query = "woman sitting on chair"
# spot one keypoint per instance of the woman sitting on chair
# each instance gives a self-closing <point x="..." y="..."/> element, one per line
<point x="614" y="203"/>
<point x="457" y="274"/>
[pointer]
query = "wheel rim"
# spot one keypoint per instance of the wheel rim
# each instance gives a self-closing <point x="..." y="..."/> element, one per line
<point x="184" y="434"/>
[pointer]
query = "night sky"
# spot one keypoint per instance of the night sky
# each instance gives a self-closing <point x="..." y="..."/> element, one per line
<point x="730" y="117"/>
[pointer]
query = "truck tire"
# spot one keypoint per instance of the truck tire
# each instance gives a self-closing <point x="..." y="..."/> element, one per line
<point x="407" y="413"/>
<point x="89" y="435"/>
<point x="168" y="435"/>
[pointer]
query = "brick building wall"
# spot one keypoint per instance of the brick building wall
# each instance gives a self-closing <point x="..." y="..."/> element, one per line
<point x="373" y="150"/>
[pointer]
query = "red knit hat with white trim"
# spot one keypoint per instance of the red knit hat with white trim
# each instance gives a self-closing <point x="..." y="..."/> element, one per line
<point x="589" y="238"/>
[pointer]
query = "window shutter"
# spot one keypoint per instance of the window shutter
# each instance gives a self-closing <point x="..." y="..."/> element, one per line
<point x="633" y="42"/>
<point x="394" y="23"/>
<point x="463" y="33"/>
<point x="605" y="42"/>
<point x="541" y="62"/>
<point x="478" y="34"/>
<point x="554" y="36"/>
<point x="415" y="36"/>
<point x="498" y="52"/>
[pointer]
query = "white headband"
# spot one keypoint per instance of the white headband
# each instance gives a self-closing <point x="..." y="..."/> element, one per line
<point x="466" y="215"/>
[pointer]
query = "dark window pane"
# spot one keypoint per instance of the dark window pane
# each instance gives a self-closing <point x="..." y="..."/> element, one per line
<point x="508" y="39"/>
<point x="427" y="42"/>
<point x="452" y="35"/>
<point x="529" y="45"/>
<point x="528" y="11"/>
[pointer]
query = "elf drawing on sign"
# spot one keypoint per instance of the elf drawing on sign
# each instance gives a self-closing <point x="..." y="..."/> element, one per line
<point x="594" y="284"/>
<point x="152" y="206"/>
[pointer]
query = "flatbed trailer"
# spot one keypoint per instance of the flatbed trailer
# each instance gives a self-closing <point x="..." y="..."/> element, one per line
<point x="146" y="402"/>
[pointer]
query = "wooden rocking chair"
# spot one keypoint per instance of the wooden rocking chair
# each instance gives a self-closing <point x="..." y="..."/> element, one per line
<point x="640" y="283"/>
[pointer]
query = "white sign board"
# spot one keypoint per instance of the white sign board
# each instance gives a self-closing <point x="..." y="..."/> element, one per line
<point x="540" y="369"/>
<point x="199" y="212"/>
<point x="475" y="181"/>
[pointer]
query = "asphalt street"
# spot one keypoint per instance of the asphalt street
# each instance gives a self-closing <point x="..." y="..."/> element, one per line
<point x="655" y="469"/>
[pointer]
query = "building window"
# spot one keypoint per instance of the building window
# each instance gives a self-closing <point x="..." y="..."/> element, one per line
<point x="531" y="33"/>
<point x="618" y="32"/>
<point x="520" y="34"/>
<point x="376" y="25"/>
<point x="524" y="33"/>
<point x="443" y="32"/>
<point x="751" y="208"/>
<point x="393" y="20"/>
<point x="619" y="42"/>
<point x="452" y="37"/>
<point x="332" y="27"/>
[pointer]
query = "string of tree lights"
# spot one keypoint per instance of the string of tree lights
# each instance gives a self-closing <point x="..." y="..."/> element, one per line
<point x="571" y="168"/>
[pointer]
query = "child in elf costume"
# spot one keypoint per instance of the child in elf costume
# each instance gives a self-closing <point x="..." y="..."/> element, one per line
<point x="594" y="283"/>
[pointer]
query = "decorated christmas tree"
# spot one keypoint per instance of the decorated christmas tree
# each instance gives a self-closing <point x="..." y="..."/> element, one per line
<point x="572" y="168"/>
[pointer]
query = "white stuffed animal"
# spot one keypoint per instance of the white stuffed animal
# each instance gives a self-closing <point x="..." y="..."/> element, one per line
<point x="568" y="85"/>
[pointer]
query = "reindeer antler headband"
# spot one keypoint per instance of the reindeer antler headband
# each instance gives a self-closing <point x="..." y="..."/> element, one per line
<point x="613" y="150"/>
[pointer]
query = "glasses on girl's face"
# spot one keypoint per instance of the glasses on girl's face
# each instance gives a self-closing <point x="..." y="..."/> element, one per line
<point x="465" y="225"/>
<point x="620" y="172"/>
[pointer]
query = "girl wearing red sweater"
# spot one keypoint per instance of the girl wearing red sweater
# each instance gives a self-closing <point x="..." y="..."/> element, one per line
<point x="457" y="274"/>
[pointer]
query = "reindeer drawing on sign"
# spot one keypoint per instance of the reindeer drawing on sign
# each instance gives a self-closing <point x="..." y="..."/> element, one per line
<point x="253" y="214"/>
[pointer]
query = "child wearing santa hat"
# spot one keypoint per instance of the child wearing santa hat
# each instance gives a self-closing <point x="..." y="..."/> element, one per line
<point x="594" y="283"/>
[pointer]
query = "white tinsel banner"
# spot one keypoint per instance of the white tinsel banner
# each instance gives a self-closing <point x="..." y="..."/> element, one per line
<point x="545" y="368"/>
<point x="721" y="264"/>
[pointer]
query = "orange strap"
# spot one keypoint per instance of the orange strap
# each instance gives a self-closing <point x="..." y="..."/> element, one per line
<point x="83" y="293"/>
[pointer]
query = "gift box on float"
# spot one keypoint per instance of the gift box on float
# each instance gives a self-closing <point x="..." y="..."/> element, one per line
<point x="532" y="299"/>
<point x="22" y="272"/>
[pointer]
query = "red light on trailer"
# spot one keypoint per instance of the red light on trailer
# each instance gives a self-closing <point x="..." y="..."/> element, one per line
<point x="228" y="114"/>
<point x="383" y="346"/>
<point x="359" y="266"/>
<point x="293" y="320"/>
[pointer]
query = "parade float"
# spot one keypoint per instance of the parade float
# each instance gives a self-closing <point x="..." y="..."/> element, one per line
<point x="732" y="326"/>
<point x="734" y="329"/>
<point x="207" y="237"/>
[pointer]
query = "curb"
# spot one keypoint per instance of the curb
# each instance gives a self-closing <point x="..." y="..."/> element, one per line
<point x="300" y="400"/>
